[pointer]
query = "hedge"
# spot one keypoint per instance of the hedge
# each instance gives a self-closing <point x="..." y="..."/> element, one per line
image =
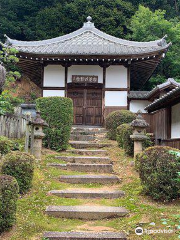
<point x="115" y="119"/>
<point x="123" y="138"/>
<point x="158" y="168"/>
<point x="8" y="198"/>
<point x="124" y="141"/>
<point x="58" y="113"/>
<point x="6" y="145"/>
<point x="21" y="166"/>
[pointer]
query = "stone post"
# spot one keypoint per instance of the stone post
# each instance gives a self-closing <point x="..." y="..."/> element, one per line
<point x="37" y="128"/>
<point x="139" y="133"/>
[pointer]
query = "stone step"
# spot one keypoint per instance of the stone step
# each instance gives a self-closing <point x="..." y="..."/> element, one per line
<point x="89" y="129"/>
<point x="87" y="152"/>
<point x="88" y="193"/>
<point x="86" y="212"/>
<point x="86" y="159"/>
<point x="85" y="235"/>
<point x="78" y="167"/>
<point x="86" y="144"/>
<point x="77" y="137"/>
<point x="86" y="179"/>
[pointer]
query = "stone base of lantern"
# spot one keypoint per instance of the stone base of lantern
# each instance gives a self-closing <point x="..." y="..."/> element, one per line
<point x="138" y="143"/>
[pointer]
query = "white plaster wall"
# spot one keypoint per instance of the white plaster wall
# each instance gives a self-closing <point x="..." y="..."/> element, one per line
<point x="85" y="70"/>
<point x="116" y="77"/>
<point x="54" y="76"/>
<point x="115" y="98"/>
<point x="53" y="93"/>
<point x="175" y="121"/>
<point x="136" y="105"/>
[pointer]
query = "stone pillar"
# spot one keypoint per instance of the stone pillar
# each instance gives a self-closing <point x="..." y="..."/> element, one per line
<point x="139" y="133"/>
<point x="38" y="135"/>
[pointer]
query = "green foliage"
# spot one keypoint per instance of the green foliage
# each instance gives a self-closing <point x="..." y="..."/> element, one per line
<point x="148" y="26"/>
<point x="58" y="113"/>
<point x="21" y="166"/>
<point x="8" y="102"/>
<point x="9" y="60"/>
<point x="6" y="145"/>
<point x="116" y="118"/>
<point x="123" y="138"/>
<point x="8" y="197"/>
<point x="158" y="169"/>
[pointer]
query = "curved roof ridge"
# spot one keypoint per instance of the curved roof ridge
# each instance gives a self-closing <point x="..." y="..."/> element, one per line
<point x="167" y="83"/>
<point x="90" y="27"/>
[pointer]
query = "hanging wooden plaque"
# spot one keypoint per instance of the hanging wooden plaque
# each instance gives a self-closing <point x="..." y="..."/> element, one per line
<point x="84" y="79"/>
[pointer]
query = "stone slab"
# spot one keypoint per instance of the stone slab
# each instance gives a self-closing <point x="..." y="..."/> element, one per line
<point x="88" y="193"/>
<point x="88" y="152"/>
<point x="85" y="235"/>
<point x="86" y="212"/>
<point x="88" y="144"/>
<point x="81" y="137"/>
<point x="86" y="179"/>
<point x="87" y="159"/>
<point x="79" y="167"/>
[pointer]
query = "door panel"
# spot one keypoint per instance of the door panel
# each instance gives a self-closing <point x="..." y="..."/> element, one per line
<point x="87" y="106"/>
<point x="94" y="107"/>
<point x="78" y="103"/>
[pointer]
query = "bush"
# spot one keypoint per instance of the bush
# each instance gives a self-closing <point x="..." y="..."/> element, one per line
<point x="58" y="113"/>
<point x="6" y="145"/>
<point x="115" y="119"/>
<point x="21" y="166"/>
<point x="8" y="197"/>
<point x="124" y="141"/>
<point x="158" y="169"/>
<point x="123" y="138"/>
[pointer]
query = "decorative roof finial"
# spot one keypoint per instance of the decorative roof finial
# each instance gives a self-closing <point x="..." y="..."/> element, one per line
<point x="89" y="19"/>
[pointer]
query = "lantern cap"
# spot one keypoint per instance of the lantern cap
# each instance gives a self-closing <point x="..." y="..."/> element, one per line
<point x="139" y="121"/>
<point x="38" y="120"/>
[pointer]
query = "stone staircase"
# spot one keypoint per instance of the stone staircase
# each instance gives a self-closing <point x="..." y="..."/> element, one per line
<point x="100" y="171"/>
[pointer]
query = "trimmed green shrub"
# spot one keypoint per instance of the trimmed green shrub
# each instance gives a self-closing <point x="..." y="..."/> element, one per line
<point x="8" y="198"/>
<point x="124" y="141"/>
<point x="58" y="113"/>
<point x="115" y="119"/>
<point x="21" y="166"/>
<point x="6" y="145"/>
<point x="123" y="138"/>
<point x="158" y="169"/>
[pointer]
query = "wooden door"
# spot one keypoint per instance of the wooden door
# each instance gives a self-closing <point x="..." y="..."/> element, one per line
<point x="87" y="106"/>
<point x="93" y="107"/>
<point x="77" y="95"/>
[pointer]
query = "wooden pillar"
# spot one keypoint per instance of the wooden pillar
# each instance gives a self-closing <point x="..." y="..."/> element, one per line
<point x="66" y="78"/>
<point x="103" y="94"/>
<point x="128" y="86"/>
<point x="66" y="65"/>
<point x="168" y="116"/>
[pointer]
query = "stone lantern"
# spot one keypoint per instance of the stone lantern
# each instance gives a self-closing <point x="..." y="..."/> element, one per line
<point x="37" y="135"/>
<point x="139" y="133"/>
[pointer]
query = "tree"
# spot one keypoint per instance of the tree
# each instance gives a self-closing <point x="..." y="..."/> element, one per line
<point x="147" y="26"/>
<point x="8" y="60"/>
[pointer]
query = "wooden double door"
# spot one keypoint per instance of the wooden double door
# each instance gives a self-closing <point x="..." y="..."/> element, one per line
<point x="87" y="106"/>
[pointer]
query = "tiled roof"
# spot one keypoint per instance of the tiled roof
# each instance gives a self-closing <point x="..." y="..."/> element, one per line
<point x="168" y="83"/>
<point x="164" y="100"/>
<point x="88" y="40"/>
<point x="138" y="94"/>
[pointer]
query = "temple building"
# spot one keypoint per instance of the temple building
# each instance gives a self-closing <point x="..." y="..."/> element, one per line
<point x="101" y="73"/>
